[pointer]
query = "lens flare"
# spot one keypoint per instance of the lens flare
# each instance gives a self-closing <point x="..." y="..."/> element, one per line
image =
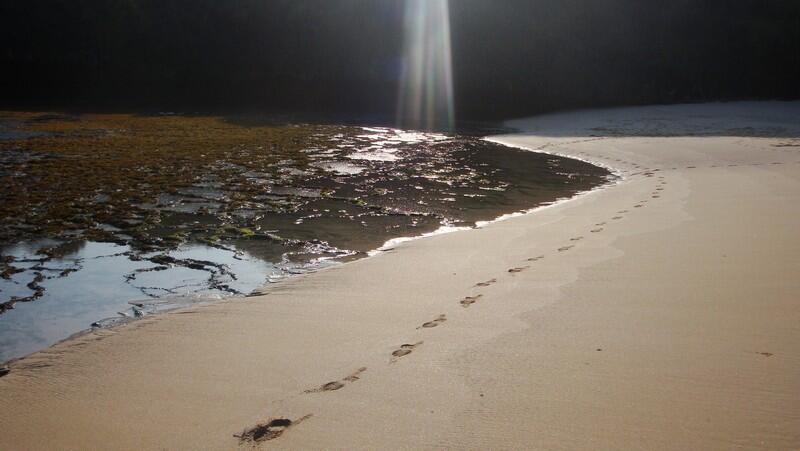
<point x="426" y="87"/>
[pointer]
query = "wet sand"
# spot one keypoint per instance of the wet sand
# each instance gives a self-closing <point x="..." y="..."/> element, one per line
<point x="658" y="313"/>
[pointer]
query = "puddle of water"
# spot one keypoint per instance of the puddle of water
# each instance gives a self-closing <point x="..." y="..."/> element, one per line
<point x="101" y="289"/>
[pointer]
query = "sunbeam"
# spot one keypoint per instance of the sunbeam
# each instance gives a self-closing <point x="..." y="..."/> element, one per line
<point x="426" y="88"/>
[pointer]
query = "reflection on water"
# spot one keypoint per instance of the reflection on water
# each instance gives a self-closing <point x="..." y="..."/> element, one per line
<point x="239" y="225"/>
<point x="106" y="280"/>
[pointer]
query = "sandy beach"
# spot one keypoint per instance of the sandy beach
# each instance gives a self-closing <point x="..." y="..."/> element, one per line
<point x="660" y="312"/>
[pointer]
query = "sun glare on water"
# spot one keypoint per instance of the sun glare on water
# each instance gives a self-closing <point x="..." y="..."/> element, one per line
<point x="426" y="88"/>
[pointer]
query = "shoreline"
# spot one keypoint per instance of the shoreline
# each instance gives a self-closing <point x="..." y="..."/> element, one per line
<point x="649" y="311"/>
<point x="282" y="274"/>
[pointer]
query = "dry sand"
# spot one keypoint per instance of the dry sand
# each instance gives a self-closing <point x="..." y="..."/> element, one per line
<point x="664" y="313"/>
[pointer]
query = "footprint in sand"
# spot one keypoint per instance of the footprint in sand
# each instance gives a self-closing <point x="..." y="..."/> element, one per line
<point x="656" y="196"/>
<point x="486" y="284"/>
<point x="638" y="206"/>
<point x="617" y="218"/>
<point x="270" y="430"/>
<point x="518" y="270"/>
<point x="404" y="350"/>
<point x="336" y="385"/>
<point x="600" y="224"/>
<point x="469" y="300"/>
<point x="565" y="248"/>
<point x="597" y="230"/>
<point x="577" y="238"/>
<point x="622" y="212"/>
<point x="766" y="354"/>
<point x="536" y="259"/>
<point x="430" y="324"/>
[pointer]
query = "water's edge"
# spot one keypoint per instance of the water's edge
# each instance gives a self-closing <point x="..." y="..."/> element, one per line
<point x="615" y="177"/>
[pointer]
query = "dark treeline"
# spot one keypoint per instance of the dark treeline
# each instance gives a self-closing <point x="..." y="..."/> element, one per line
<point x="510" y="57"/>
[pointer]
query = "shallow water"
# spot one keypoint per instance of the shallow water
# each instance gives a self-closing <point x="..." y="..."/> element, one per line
<point x="241" y="224"/>
<point x="100" y="290"/>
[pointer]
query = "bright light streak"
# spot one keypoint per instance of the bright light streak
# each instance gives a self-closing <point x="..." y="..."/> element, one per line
<point x="426" y="88"/>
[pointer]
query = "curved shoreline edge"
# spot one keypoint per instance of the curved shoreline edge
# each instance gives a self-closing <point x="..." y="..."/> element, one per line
<point x="318" y="264"/>
<point x="659" y="310"/>
<point x="324" y="263"/>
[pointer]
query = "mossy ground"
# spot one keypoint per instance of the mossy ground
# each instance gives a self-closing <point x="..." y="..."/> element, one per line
<point x="97" y="168"/>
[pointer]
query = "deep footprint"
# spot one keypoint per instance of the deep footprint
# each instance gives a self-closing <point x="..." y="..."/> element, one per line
<point x="536" y="259"/>
<point x="270" y="430"/>
<point x="565" y="248"/>
<point x="330" y="386"/>
<point x="430" y="324"/>
<point x="336" y="385"/>
<point x="597" y="230"/>
<point x="469" y="300"/>
<point x="404" y="350"/>
<point x="486" y="284"/>
<point x="355" y="376"/>
<point x="518" y="270"/>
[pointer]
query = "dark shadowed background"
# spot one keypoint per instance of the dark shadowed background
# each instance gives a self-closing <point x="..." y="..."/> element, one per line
<point x="510" y="57"/>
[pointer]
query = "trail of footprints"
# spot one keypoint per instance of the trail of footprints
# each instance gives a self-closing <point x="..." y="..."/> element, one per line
<point x="276" y="427"/>
<point x="649" y="172"/>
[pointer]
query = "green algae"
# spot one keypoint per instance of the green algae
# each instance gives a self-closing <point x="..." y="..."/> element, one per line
<point x="103" y="169"/>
